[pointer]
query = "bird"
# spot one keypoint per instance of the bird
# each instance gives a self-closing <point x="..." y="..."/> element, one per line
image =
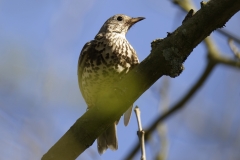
<point x="102" y="62"/>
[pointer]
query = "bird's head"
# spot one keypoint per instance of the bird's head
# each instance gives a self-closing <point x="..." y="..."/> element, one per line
<point x="119" y="23"/>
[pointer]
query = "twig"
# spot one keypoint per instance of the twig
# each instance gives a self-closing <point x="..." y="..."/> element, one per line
<point x="234" y="48"/>
<point x="188" y="16"/>
<point x="140" y="133"/>
<point x="227" y="61"/>
<point x="225" y="33"/>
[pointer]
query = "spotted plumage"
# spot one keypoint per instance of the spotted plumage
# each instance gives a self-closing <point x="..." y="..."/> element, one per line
<point x="102" y="62"/>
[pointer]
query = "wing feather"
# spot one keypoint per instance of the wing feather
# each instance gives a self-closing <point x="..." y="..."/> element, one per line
<point x="87" y="48"/>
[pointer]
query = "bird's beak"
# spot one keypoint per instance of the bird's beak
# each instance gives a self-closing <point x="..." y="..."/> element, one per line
<point x="135" y="20"/>
<point x="132" y="21"/>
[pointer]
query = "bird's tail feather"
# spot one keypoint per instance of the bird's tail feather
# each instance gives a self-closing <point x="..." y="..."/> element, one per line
<point x="108" y="139"/>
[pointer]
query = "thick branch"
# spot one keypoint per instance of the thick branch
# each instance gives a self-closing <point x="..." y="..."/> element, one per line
<point x="165" y="59"/>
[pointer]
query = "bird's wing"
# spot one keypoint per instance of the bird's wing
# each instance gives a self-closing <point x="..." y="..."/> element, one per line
<point x="127" y="115"/>
<point x="87" y="48"/>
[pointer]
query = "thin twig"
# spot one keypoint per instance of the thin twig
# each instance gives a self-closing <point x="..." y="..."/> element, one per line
<point x="227" y="61"/>
<point x="140" y="133"/>
<point x="229" y="35"/>
<point x="234" y="48"/>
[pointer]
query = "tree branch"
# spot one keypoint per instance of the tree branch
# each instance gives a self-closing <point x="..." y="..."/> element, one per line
<point x="176" y="107"/>
<point x="165" y="59"/>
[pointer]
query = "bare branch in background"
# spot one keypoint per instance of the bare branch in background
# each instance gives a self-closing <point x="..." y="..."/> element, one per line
<point x="234" y="48"/>
<point x="229" y="35"/>
<point x="162" y="127"/>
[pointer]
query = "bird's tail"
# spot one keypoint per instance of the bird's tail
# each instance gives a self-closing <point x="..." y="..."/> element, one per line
<point x="108" y="139"/>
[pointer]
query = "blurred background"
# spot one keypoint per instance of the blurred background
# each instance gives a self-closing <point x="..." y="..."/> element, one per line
<point x="40" y="43"/>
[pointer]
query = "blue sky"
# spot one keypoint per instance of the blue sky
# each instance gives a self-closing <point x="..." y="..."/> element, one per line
<point x="39" y="96"/>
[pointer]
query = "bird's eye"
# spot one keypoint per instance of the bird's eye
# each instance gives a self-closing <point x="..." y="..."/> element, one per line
<point x="119" y="18"/>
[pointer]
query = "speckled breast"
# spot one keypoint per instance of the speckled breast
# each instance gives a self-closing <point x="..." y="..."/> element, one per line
<point x="111" y="58"/>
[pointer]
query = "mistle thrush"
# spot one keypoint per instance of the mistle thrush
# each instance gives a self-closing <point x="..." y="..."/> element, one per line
<point x="102" y="61"/>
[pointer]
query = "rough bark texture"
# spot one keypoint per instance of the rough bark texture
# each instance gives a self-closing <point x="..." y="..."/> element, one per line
<point x="166" y="58"/>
